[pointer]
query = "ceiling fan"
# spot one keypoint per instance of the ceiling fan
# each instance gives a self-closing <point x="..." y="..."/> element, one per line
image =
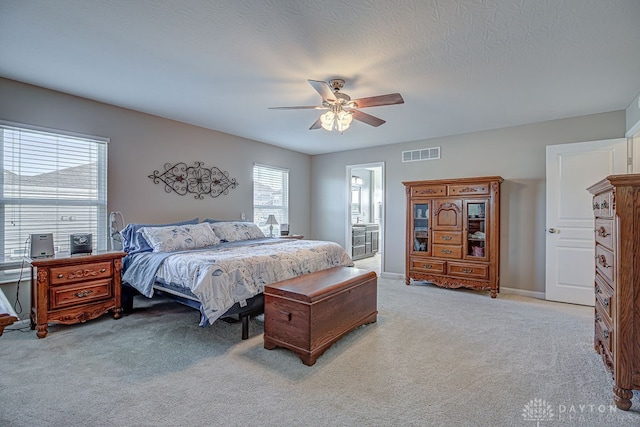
<point x="341" y="108"/>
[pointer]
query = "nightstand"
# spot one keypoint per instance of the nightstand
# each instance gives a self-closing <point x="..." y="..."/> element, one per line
<point x="73" y="289"/>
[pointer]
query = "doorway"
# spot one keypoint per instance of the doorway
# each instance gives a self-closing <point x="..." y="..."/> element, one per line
<point x="571" y="168"/>
<point x="365" y="215"/>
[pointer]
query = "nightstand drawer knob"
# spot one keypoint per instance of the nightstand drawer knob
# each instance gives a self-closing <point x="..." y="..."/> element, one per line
<point x="60" y="276"/>
<point x="103" y="270"/>
<point x="82" y="294"/>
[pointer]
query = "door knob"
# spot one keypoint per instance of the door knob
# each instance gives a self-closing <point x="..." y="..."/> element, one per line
<point x="553" y="230"/>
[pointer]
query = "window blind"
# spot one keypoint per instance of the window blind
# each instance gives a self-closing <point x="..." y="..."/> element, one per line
<point x="52" y="182"/>
<point x="270" y="196"/>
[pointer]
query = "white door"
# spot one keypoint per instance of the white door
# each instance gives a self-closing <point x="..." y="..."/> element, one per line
<point x="571" y="168"/>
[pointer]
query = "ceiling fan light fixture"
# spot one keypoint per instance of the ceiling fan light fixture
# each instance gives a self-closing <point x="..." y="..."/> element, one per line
<point x="339" y="121"/>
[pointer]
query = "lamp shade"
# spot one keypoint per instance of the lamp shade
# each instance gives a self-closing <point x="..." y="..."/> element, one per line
<point x="271" y="220"/>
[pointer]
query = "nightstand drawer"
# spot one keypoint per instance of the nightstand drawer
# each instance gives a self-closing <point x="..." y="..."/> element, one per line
<point x="75" y="273"/>
<point x="65" y="296"/>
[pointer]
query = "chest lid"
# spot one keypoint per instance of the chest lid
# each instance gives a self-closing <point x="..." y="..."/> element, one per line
<point x="321" y="284"/>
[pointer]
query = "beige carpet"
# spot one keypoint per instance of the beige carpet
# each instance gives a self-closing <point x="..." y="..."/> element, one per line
<point x="435" y="357"/>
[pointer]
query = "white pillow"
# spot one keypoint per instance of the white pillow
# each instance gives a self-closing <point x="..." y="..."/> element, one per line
<point x="179" y="237"/>
<point x="233" y="231"/>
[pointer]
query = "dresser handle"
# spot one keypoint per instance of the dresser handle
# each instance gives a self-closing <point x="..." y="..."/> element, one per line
<point x="602" y="232"/>
<point x="598" y="317"/>
<point x="103" y="270"/>
<point x="602" y="260"/>
<point x="606" y="334"/>
<point x="428" y="266"/>
<point x="596" y="205"/>
<point x="467" y="270"/>
<point x="604" y="204"/>
<point x="446" y="237"/>
<point x="82" y="294"/>
<point x="60" y="276"/>
<point x="598" y="290"/>
<point x="446" y="251"/>
<point x="605" y="302"/>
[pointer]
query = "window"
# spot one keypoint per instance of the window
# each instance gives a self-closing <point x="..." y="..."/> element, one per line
<point x="52" y="182"/>
<point x="270" y="196"/>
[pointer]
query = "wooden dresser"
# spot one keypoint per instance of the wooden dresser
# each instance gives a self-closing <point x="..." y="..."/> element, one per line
<point x="453" y="232"/>
<point x="616" y="206"/>
<point x="70" y="290"/>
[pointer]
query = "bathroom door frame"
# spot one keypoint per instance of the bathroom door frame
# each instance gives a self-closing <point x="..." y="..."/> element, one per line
<point x="347" y="239"/>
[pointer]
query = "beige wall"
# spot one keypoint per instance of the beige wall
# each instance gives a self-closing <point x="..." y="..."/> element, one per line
<point x="517" y="154"/>
<point x="141" y="143"/>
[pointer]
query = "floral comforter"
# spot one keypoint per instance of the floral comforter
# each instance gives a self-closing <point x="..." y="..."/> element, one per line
<point x="223" y="275"/>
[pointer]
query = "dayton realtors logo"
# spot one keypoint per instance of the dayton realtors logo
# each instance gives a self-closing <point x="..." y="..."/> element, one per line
<point x="537" y="410"/>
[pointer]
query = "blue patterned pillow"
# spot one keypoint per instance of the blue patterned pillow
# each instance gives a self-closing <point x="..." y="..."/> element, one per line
<point x="235" y="230"/>
<point x="179" y="237"/>
<point x="134" y="242"/>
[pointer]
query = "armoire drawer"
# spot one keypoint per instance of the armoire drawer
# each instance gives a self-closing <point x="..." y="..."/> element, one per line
<point x="427" y="265"/>
<point x="447" y="251"/>
<point x="477" y="271"/>
<point x="447" y="237"/>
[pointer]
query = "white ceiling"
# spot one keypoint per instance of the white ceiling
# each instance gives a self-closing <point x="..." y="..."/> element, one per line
<point x="461" y="65"/>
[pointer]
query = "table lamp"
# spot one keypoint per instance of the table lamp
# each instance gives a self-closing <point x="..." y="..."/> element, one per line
<point x="271" y="220"/>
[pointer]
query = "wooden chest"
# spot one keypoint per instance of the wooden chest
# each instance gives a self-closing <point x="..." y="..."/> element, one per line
<point x="307" y="314"/>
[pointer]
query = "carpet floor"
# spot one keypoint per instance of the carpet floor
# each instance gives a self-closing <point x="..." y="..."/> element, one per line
<point x="435" y="357"/>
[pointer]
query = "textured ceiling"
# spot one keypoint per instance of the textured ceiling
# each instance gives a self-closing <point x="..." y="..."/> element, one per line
<point x="461" y="65"/>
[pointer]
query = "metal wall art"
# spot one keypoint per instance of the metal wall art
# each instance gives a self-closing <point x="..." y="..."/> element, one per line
<point x="197" y="180"/>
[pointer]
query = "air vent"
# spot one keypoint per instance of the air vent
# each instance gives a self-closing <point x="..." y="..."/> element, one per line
<point x="421" y="154"/>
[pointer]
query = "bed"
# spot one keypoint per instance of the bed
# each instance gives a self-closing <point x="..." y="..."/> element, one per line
<point x="217" y="267"/>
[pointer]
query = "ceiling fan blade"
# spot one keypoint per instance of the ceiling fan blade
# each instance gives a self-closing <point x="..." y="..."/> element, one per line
<point x="377" y="101"/>
<point x="323" y="89"/>
<point x="316" y="125"/>
<point x="302" y="107"/>
<point x="367" y="118"/>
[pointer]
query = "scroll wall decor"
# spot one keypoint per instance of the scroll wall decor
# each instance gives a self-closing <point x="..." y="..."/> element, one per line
<point x="197" y="180"/>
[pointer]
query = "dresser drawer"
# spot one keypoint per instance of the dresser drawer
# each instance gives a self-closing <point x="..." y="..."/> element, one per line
<point x="604" y="232"/>
<point x="604" y="295"/>
<point x="603" y="205"/>
<point x="605" y="261"/>
<point x="447" y="237"/>
<point x="469" y="189"/>
<point x="64" y="296"/>
<point x="427" y="265"/>
<point x="447" y="251"/>
<point x="428" y="190"/>
<point x="477" y="271"/>
<point x="76" y="273"/>
<point x="605" y="334"/>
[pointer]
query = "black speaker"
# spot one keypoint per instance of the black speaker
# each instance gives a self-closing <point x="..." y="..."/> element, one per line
<point x="80" y="244"/>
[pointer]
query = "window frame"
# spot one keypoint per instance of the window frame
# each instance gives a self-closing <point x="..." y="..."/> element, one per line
<point x="100" y="231"/>
<point x="281" y="211"/>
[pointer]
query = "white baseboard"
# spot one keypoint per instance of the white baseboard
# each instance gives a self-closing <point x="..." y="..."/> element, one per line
<point x="522" y="293"/>
<point x="511" y="291"/>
